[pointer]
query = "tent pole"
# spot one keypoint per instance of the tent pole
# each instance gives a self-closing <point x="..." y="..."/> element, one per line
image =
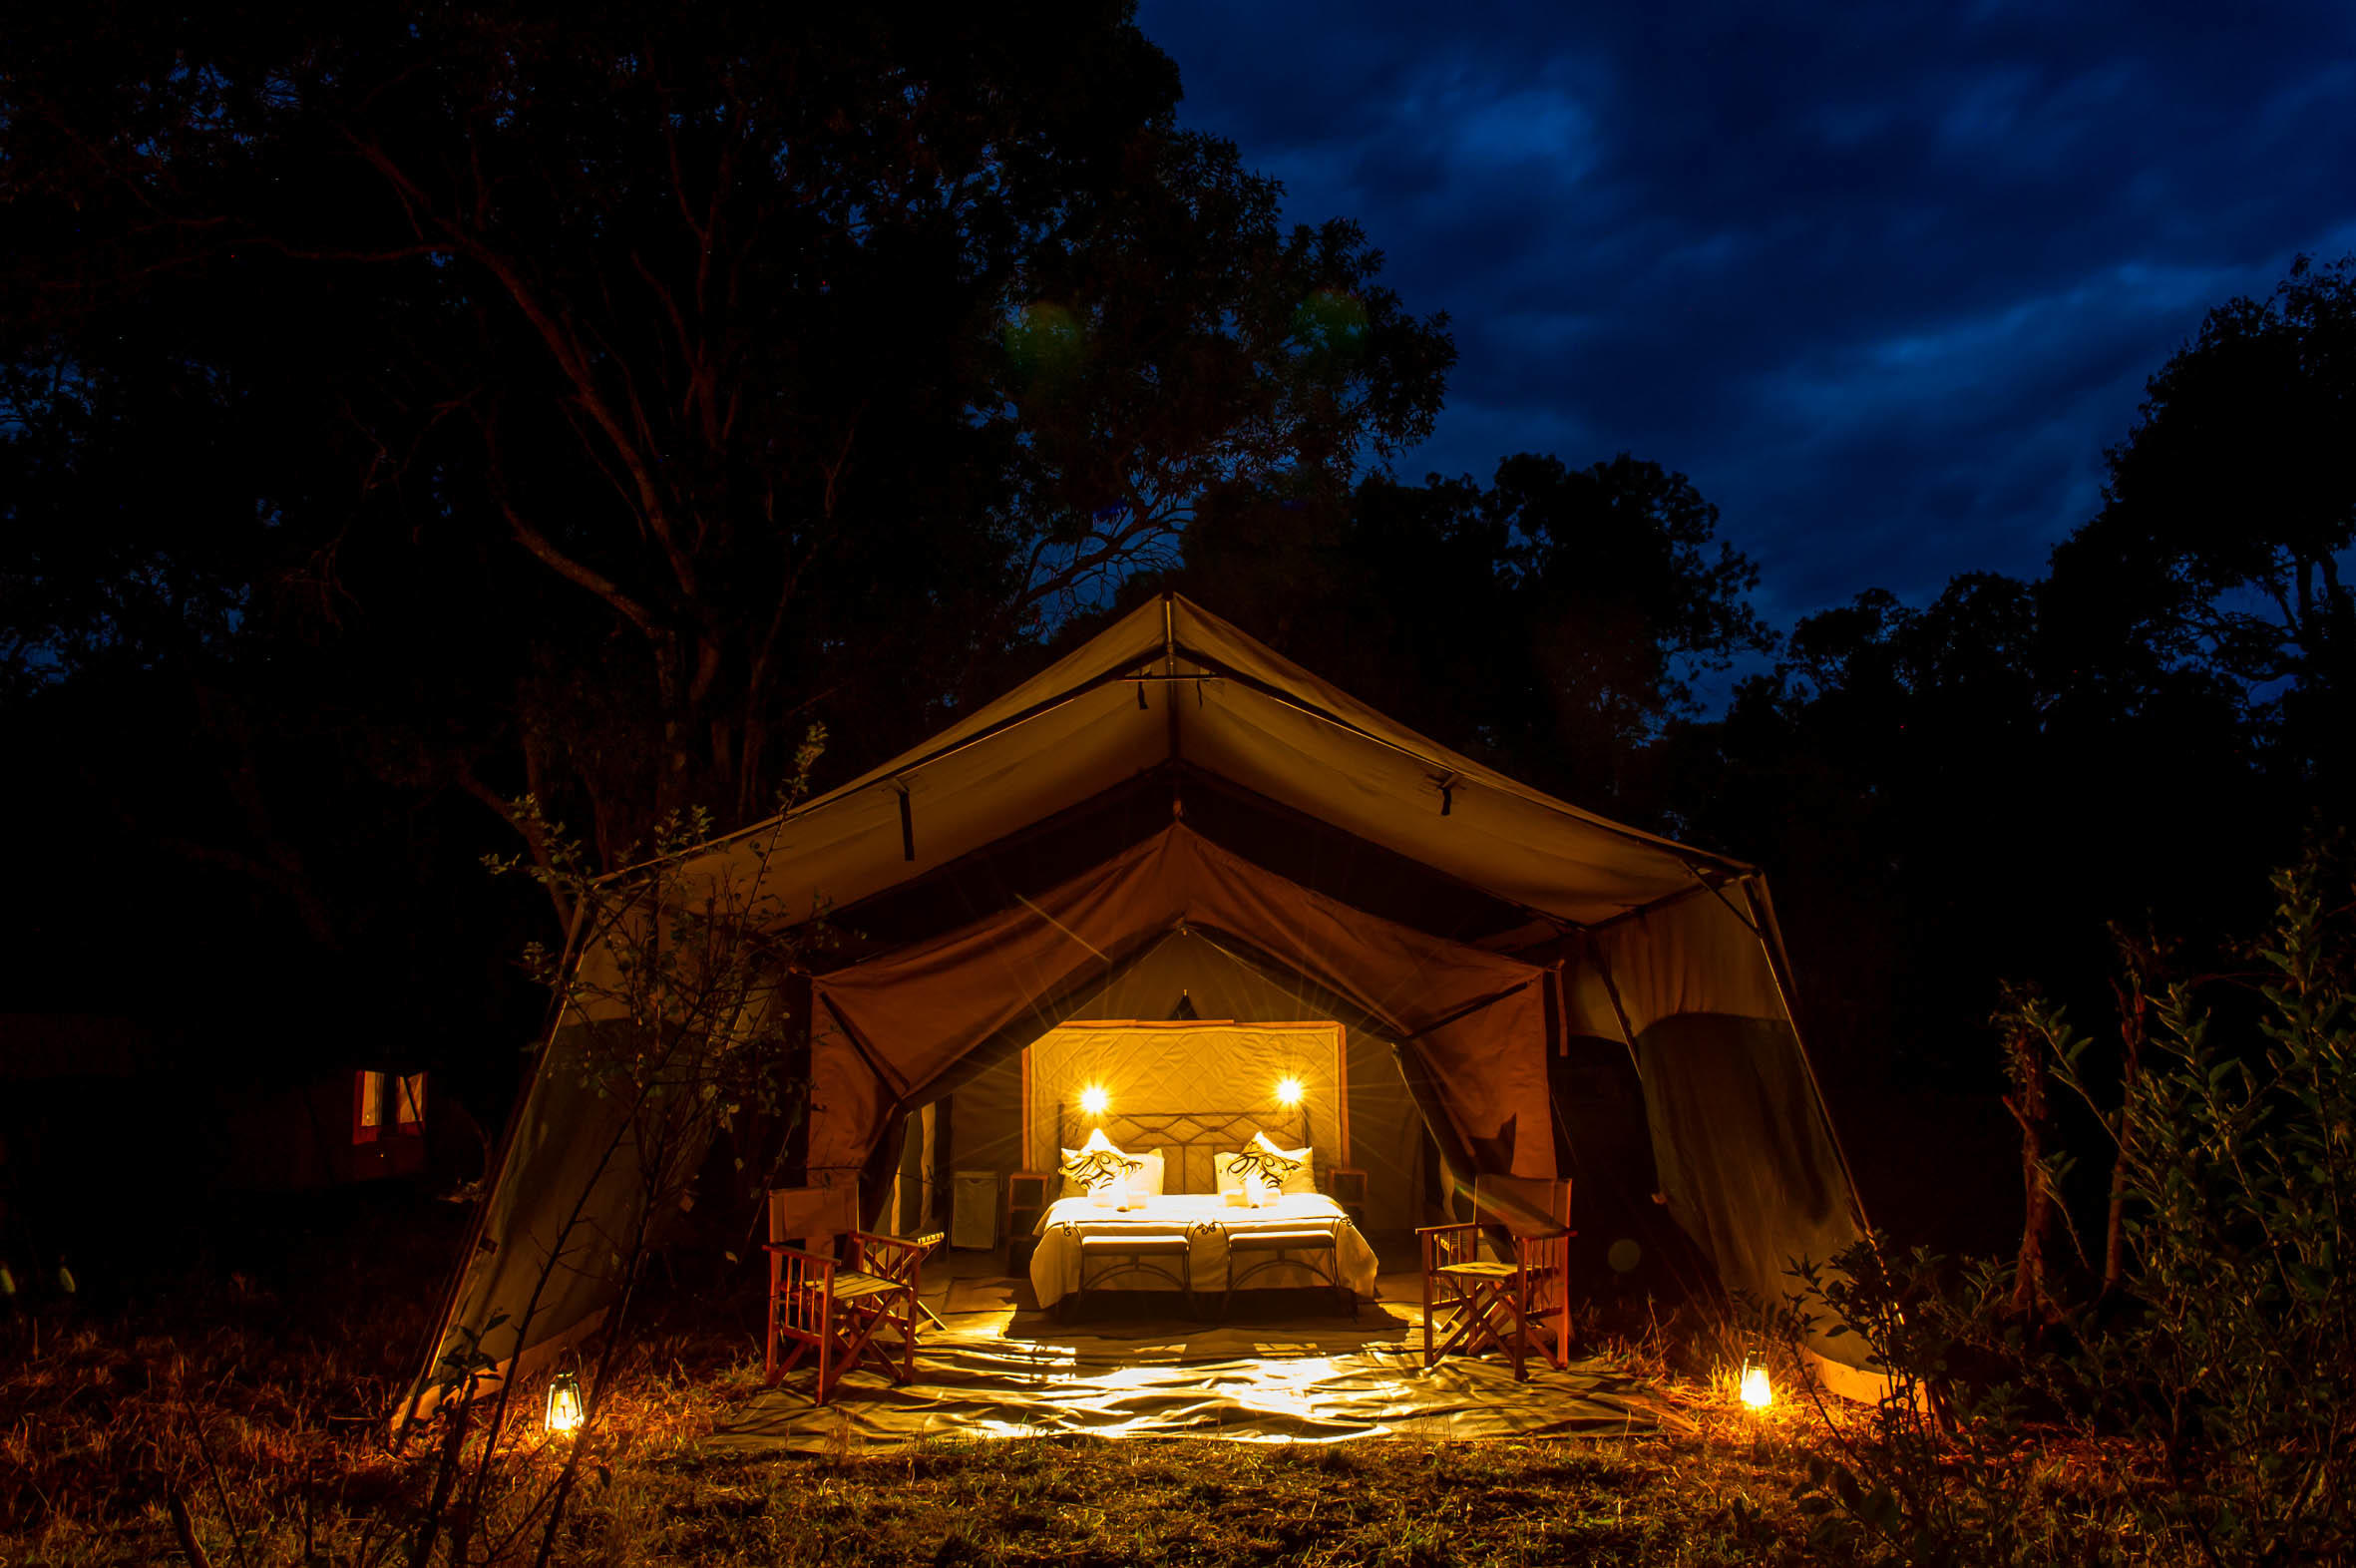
<point x="1170" y="670"/>
<point x="1770" y="942"/>
<point x="1627" y="1033"/>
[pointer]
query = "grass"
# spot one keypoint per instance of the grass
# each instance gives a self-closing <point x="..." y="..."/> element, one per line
<point x="260" y="1437"/>
<point x="254" y="1404"/>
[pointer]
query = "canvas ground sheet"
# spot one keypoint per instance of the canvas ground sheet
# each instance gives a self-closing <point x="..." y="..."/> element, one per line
<point x="1324" y="1381"/>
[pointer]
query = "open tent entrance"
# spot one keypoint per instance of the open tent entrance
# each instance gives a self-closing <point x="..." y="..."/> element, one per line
<point x="1189" y="1082"/>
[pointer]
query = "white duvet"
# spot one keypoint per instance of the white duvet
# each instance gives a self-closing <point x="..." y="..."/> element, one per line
<point x="1055" y="1266"/>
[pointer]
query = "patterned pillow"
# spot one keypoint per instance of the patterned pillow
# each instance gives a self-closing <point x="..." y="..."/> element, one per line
<point x="1088" y="1170"/>
<point x="1302" y="1177"/>
<point x="1260" y="1174"/>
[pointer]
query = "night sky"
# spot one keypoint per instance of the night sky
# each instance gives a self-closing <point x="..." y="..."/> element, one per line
<point x="1883" y="289"/>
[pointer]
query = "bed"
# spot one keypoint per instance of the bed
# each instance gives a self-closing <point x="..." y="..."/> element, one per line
<point x="1208" y="1224"/>
<point x="1216" y="1232"/>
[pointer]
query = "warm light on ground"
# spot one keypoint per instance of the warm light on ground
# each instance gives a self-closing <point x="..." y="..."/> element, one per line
<point x="1755" y="1392"/>
<point x="1288" y="1091"/>
<point x="1093" y="1099"/>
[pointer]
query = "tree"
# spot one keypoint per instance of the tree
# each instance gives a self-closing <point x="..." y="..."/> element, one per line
<point x="1551" y="624"/>
<point x="2231" y="507"/>
<point x="593" y="402"/>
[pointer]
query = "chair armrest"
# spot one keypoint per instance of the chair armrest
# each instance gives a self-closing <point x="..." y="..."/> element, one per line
<point x="877" y="1239"/>
<point x="821" y="1263"/>
<point x="1443" y="1243"/>
<point x="891" y="1256"/>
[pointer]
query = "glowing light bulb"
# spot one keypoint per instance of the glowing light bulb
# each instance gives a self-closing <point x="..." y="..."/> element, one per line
<point x="1093" y="1099"/>
<point x="1288" y="1091"/>
<point x="564" y="1404"/>
<point x="1755" y="1392"/>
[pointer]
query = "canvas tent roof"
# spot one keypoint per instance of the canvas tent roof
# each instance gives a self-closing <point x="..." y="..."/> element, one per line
<point x="1004" y="869"/>
<point x="1243" y="713"/>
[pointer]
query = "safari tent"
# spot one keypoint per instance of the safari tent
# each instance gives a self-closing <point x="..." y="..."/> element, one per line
<point x="1175" y="821"/>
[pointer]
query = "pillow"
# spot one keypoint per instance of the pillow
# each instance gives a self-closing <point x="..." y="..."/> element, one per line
<point x="1261" y="1173"/>
<point x="1100" y="1170"/>
<point x="1302" y="1176"/>
<point x="1145" y="1181"/>
<point x="1245" y="1185"/>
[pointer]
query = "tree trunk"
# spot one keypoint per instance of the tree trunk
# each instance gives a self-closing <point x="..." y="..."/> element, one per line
<point x="2027" y="1104"/>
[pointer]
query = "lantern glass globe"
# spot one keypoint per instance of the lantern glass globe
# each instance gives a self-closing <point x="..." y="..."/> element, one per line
<point x="563" y="1404"/>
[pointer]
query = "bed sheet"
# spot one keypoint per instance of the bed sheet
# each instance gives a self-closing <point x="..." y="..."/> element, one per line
<point x="1056" y="1264"/>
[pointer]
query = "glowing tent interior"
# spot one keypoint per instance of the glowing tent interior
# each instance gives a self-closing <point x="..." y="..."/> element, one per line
<point x="1172" y="811"/>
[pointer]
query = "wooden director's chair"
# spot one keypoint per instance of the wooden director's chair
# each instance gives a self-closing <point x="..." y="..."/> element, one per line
<point x="1517" y="1300"/>
<point x="861" y="1309"/>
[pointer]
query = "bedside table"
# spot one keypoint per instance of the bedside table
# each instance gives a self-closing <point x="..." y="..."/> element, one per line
<point x="1027" y="1195"/>
<point x="1348" y="1187"/>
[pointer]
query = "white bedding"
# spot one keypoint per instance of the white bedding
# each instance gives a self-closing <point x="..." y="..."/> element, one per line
<point x="1055" y="1266"/>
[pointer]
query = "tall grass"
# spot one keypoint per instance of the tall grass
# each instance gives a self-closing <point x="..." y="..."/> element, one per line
<point x="255" y="1411"/>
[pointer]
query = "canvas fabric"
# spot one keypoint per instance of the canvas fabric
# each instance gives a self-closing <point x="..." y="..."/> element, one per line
<point x="1216" y="699"/>
<point x="890" y="1027"/>
<point x="1746" y="1154"/>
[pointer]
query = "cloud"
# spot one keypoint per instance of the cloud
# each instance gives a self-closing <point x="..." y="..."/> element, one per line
<point x="1885" y="290"/>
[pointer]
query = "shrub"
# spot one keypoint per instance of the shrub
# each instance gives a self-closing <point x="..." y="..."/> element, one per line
<point x="2212" y="1387"/>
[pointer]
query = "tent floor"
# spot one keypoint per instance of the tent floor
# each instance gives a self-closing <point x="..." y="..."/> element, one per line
<point x="1011" y="1371"/>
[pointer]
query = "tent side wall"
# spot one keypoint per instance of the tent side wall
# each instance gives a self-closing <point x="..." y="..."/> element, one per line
<point x="567" y="1184"/>
<point x="1741" y="1139"/>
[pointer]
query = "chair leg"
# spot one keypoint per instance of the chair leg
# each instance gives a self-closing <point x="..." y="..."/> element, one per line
<point x="826" y="1347"/>
<point x="771" y="1372"/>
<point x="907" y="1344"/>
<point x="908" y="1359"/>
<point x="1519" y="1349"/>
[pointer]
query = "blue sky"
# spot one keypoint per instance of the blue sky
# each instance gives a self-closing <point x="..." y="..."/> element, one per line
<point x="1884" y="286"/>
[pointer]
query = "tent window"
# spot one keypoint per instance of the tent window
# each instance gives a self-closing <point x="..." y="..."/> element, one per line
<point x="409" y="1102"/>
<point x="367" y="1106"/>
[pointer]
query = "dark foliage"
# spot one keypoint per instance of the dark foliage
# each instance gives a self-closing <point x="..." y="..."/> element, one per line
<point x="411" y="408"/>
<point x="405" y="409"/>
